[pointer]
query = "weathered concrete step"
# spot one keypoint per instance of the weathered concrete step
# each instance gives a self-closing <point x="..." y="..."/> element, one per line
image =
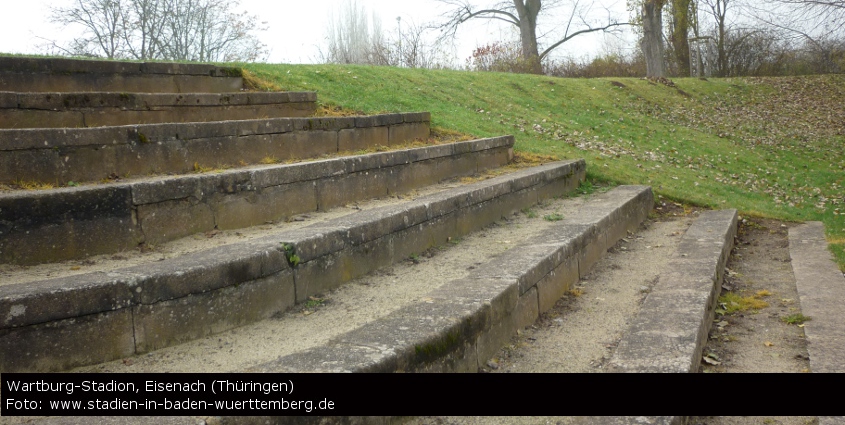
<point x="59" y="156"/>
<point x="631" y="420"/>
<point x="371" y="297"/>
<point x="354" y="304"/>
<point x="98" y="109"/>
<point x="70" y="223"/>
<point x="460" y="325"/>
<point x="821" y="289"/>
<point x="139" y="309"/>
<point x="670" y="331"/>
<point x="24" y="74"/>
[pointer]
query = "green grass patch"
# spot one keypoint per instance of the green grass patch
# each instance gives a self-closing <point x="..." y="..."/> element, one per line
<point x="732" y="302"/>
<point x="795" y="319"/>
<point x="769" y="147"/>
<point x="553" y="217"/>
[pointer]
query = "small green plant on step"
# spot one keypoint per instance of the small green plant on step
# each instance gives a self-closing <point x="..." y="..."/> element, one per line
<point x="290" y="254"/>
<point x="586" y="188"/>
<point x="314" y="302"/>
<point x="795" y="319"/>
<point x="553" y="217"/>
<point x="530" y="213"/>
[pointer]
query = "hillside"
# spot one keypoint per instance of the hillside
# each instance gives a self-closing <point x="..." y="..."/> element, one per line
<point x="770" y="147"/>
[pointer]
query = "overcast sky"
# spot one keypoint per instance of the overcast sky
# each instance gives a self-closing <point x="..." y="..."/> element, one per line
<point x="296" y="28"/>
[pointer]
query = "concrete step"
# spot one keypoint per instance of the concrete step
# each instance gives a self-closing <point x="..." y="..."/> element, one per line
<point x="60" y="156"/>
<point x="464" y="299"/>
<point x="23" y="74"/>
<point x="396" y="312"/>
<point x="671" y="329"/>
<point x="137" y="309"/>
<point x="98" y="109"/>
<point x="821" y="289"/>
<point x="76" y="222"/>
<point x="458" y="326"/>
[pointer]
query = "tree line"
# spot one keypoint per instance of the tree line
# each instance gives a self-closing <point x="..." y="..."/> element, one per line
<point x="676" y="37"/>
<point x="183" y="30"/>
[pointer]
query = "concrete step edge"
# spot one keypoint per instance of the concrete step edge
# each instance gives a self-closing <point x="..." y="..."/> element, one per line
<point x="69" y="223"/>
<point x="60" y="156"/>
<point x="465" y="322"/>
<point x="63" y="74"/>
<point x="132" y="311"/>
<point x="821" y="292"/>
<point x="670" y="331"/>
<point x="72" y="65"/>
<point x="141" y="101"/>
<point x="52" y="138"/>
<point x="99" y="109"/>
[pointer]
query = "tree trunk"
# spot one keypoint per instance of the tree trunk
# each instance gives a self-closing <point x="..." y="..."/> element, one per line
<point x="528" y="11"/>
<point x="680" y="35"/>
<point x="652" y="42"/>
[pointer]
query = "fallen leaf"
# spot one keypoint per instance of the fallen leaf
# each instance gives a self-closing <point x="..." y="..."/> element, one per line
<point x="768" y="343"/>
<point x="711" y="361"/>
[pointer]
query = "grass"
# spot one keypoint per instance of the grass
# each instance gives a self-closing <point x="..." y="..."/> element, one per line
<point x="553" y="217"/>
<point x="768" y="147"/>
<point x="314" y="302"/>
<point x="530" y="213"/>
<point x="732" y="302"/>
<point x="795" y="319"/>
<point x="33" y="185"/>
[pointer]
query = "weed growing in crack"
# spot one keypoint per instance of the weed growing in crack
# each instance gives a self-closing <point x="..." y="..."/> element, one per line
<point x="795" y="319"/>
<point x="290" y="254"/>
<point x="553" y="217"/>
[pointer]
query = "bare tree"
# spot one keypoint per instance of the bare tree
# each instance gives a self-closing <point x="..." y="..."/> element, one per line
<point x="194" y="30"/>
<point x="144" y="19"/>
<point x="102" y="22"/>
<point x="524" y="15"/>
<point x="355" y="37"/>
<point x="350" y="39"/>
<point x="814" y="16"/>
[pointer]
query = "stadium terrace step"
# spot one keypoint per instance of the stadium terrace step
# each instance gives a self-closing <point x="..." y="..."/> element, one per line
<point x="141" y="308"/>
<point x="60" y="156"/>
<point x="460" y="325"/>
<point x="62" y="110"/>
<point x="76" y="222"/>
<point x="23" y="74"/>
<point x="821" y="289"/>
<point x="686" y="297"/>
<point x="541" y="255"/>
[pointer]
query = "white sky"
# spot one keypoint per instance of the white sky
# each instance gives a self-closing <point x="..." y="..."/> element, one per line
<point x="296" y="27"/>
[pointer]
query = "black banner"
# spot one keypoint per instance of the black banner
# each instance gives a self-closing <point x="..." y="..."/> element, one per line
<point x="242" y="394"/>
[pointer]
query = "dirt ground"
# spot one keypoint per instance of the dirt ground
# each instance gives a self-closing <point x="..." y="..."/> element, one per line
<point x="758" y="339"/>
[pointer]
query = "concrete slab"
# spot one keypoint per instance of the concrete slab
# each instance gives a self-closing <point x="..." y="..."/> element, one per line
<point x="481" y="311"/>
<point x="669" y="332"/>
<point x="60" y="155"/>
<point x="821" y="289"/>
<point x="207" y="291"/>
<point x="57" y="224"/>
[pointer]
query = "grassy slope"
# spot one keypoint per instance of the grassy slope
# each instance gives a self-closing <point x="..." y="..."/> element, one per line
<point x="771" y="148"/>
